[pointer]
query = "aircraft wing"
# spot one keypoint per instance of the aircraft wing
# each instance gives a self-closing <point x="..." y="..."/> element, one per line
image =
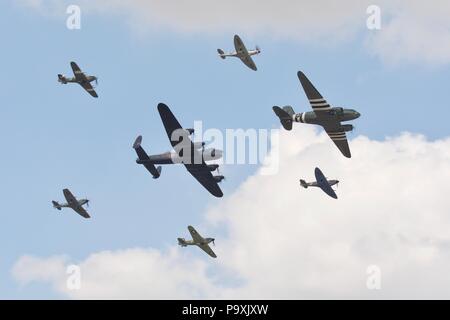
<point x="339" y="138"/>
<point x="248" y="61"/>
<point x="199" y="239"/>
<point x="79" y="75"/>
<point x="72" y="202"/>
<point x="179" y="138"/>
<point x="70" y="198"/>
<point x="195" y="235"/>
<point x="323" y="184"/>
<point x="243" y="52"/>
<point x="318" y="103"/>
<point x="88" y="87"/>
<point x="207" y="249"/>
<point x="82" y="212"/>
<point x="204" y="176"/>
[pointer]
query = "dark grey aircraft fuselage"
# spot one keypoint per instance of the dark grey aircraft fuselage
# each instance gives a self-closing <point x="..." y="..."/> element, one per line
<point x="81" y="80"/>
<point x="174" y="158"/>
<point x="333" y="115"/>
<point x="330" y="183"/>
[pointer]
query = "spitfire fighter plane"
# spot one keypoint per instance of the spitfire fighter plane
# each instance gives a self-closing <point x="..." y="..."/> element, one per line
<point x="81" y="78"/>
<point x="241" y="52"/>
<point x="323" y="114"/>
<point x="73" y="203"/>
<point x="192" y="154"/>
<point x="322" y="182"/>
<point x="198" y="240"/>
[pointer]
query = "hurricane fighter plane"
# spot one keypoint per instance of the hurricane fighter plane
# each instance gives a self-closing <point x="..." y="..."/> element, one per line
<point x="323" y="114"/>
<point x="322" y="182"/>
<point x="191" y="154"/>
<point x="242" y="53"/>
<point x="199" y="241"/>
<point x="81" y="78"/>
<point x="73" y="203"/>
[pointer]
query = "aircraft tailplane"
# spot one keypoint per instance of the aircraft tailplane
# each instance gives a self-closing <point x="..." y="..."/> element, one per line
<point x="182" y="242"/>
<point x="285" y="115"/>
<point x="221" y="53"/>
<point x="145" y="160"/>
<point x="62" y="79"/>
<point x="303" y="184"/>
<point x="56" y="205"/>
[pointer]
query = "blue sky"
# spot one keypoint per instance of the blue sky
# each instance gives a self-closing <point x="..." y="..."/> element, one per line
<point x="56" y="136"/>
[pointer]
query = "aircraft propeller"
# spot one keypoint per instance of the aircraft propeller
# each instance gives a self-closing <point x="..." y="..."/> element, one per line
<point x="258" y="49"/>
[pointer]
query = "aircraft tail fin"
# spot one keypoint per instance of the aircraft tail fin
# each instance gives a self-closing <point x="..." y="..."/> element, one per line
<point x="303" y="184"/>
<point x="144" y="159"/>
<point x="56" y="205"/>
<point x="285" y="115"/>
<point x="221" y="53"/>
<point x="182" y="242"/>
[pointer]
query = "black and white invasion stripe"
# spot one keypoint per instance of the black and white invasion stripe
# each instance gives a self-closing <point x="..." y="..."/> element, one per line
<point x="319" y="104"/>
<point x="337" y="135"/>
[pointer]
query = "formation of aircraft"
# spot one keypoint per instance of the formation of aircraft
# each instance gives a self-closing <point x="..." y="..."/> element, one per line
<point x="73" y="203"/>
<point x="199" y="241"/>
<point x="241" y="53"/>
<point x="191" y="154"/>
<point x="81" y="78"/>
<point x="323" y="114"/>
<point x="322" y="182"/>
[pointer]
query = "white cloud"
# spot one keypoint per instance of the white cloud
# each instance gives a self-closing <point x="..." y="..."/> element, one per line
<point x="412" y="31"/>
<point x="287" y="242"/>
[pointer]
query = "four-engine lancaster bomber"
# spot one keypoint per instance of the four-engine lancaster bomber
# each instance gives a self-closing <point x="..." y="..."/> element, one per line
<point x="198" y="240"/>
<point x="242" y="53"/>
<point x="322" y="182"/>
<point x="73" y="203"/>
<point x="192" y="154"/>
<point x="323" y="114"/>
<point x="81" y="78"/>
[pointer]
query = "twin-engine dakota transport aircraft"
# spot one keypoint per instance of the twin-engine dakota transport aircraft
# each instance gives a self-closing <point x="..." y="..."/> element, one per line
<point x="322" y="182"/>
<point x="192" y="154"/>
<point x="323" y="114"/>
<point x="80" y="78"/>
<point x="198" y="240"/>
<point x="242" y="53"/>
<point x="73" y="203"/>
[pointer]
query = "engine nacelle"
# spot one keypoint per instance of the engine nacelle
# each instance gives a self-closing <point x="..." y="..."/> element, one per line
<point x="212" y="167"/>
<point x="218" y="178"/>
<point x="199" y="145"/>
<point x="212" y="154"/>
<point x="347" y="127"/>
<point x="190" y="131"/>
